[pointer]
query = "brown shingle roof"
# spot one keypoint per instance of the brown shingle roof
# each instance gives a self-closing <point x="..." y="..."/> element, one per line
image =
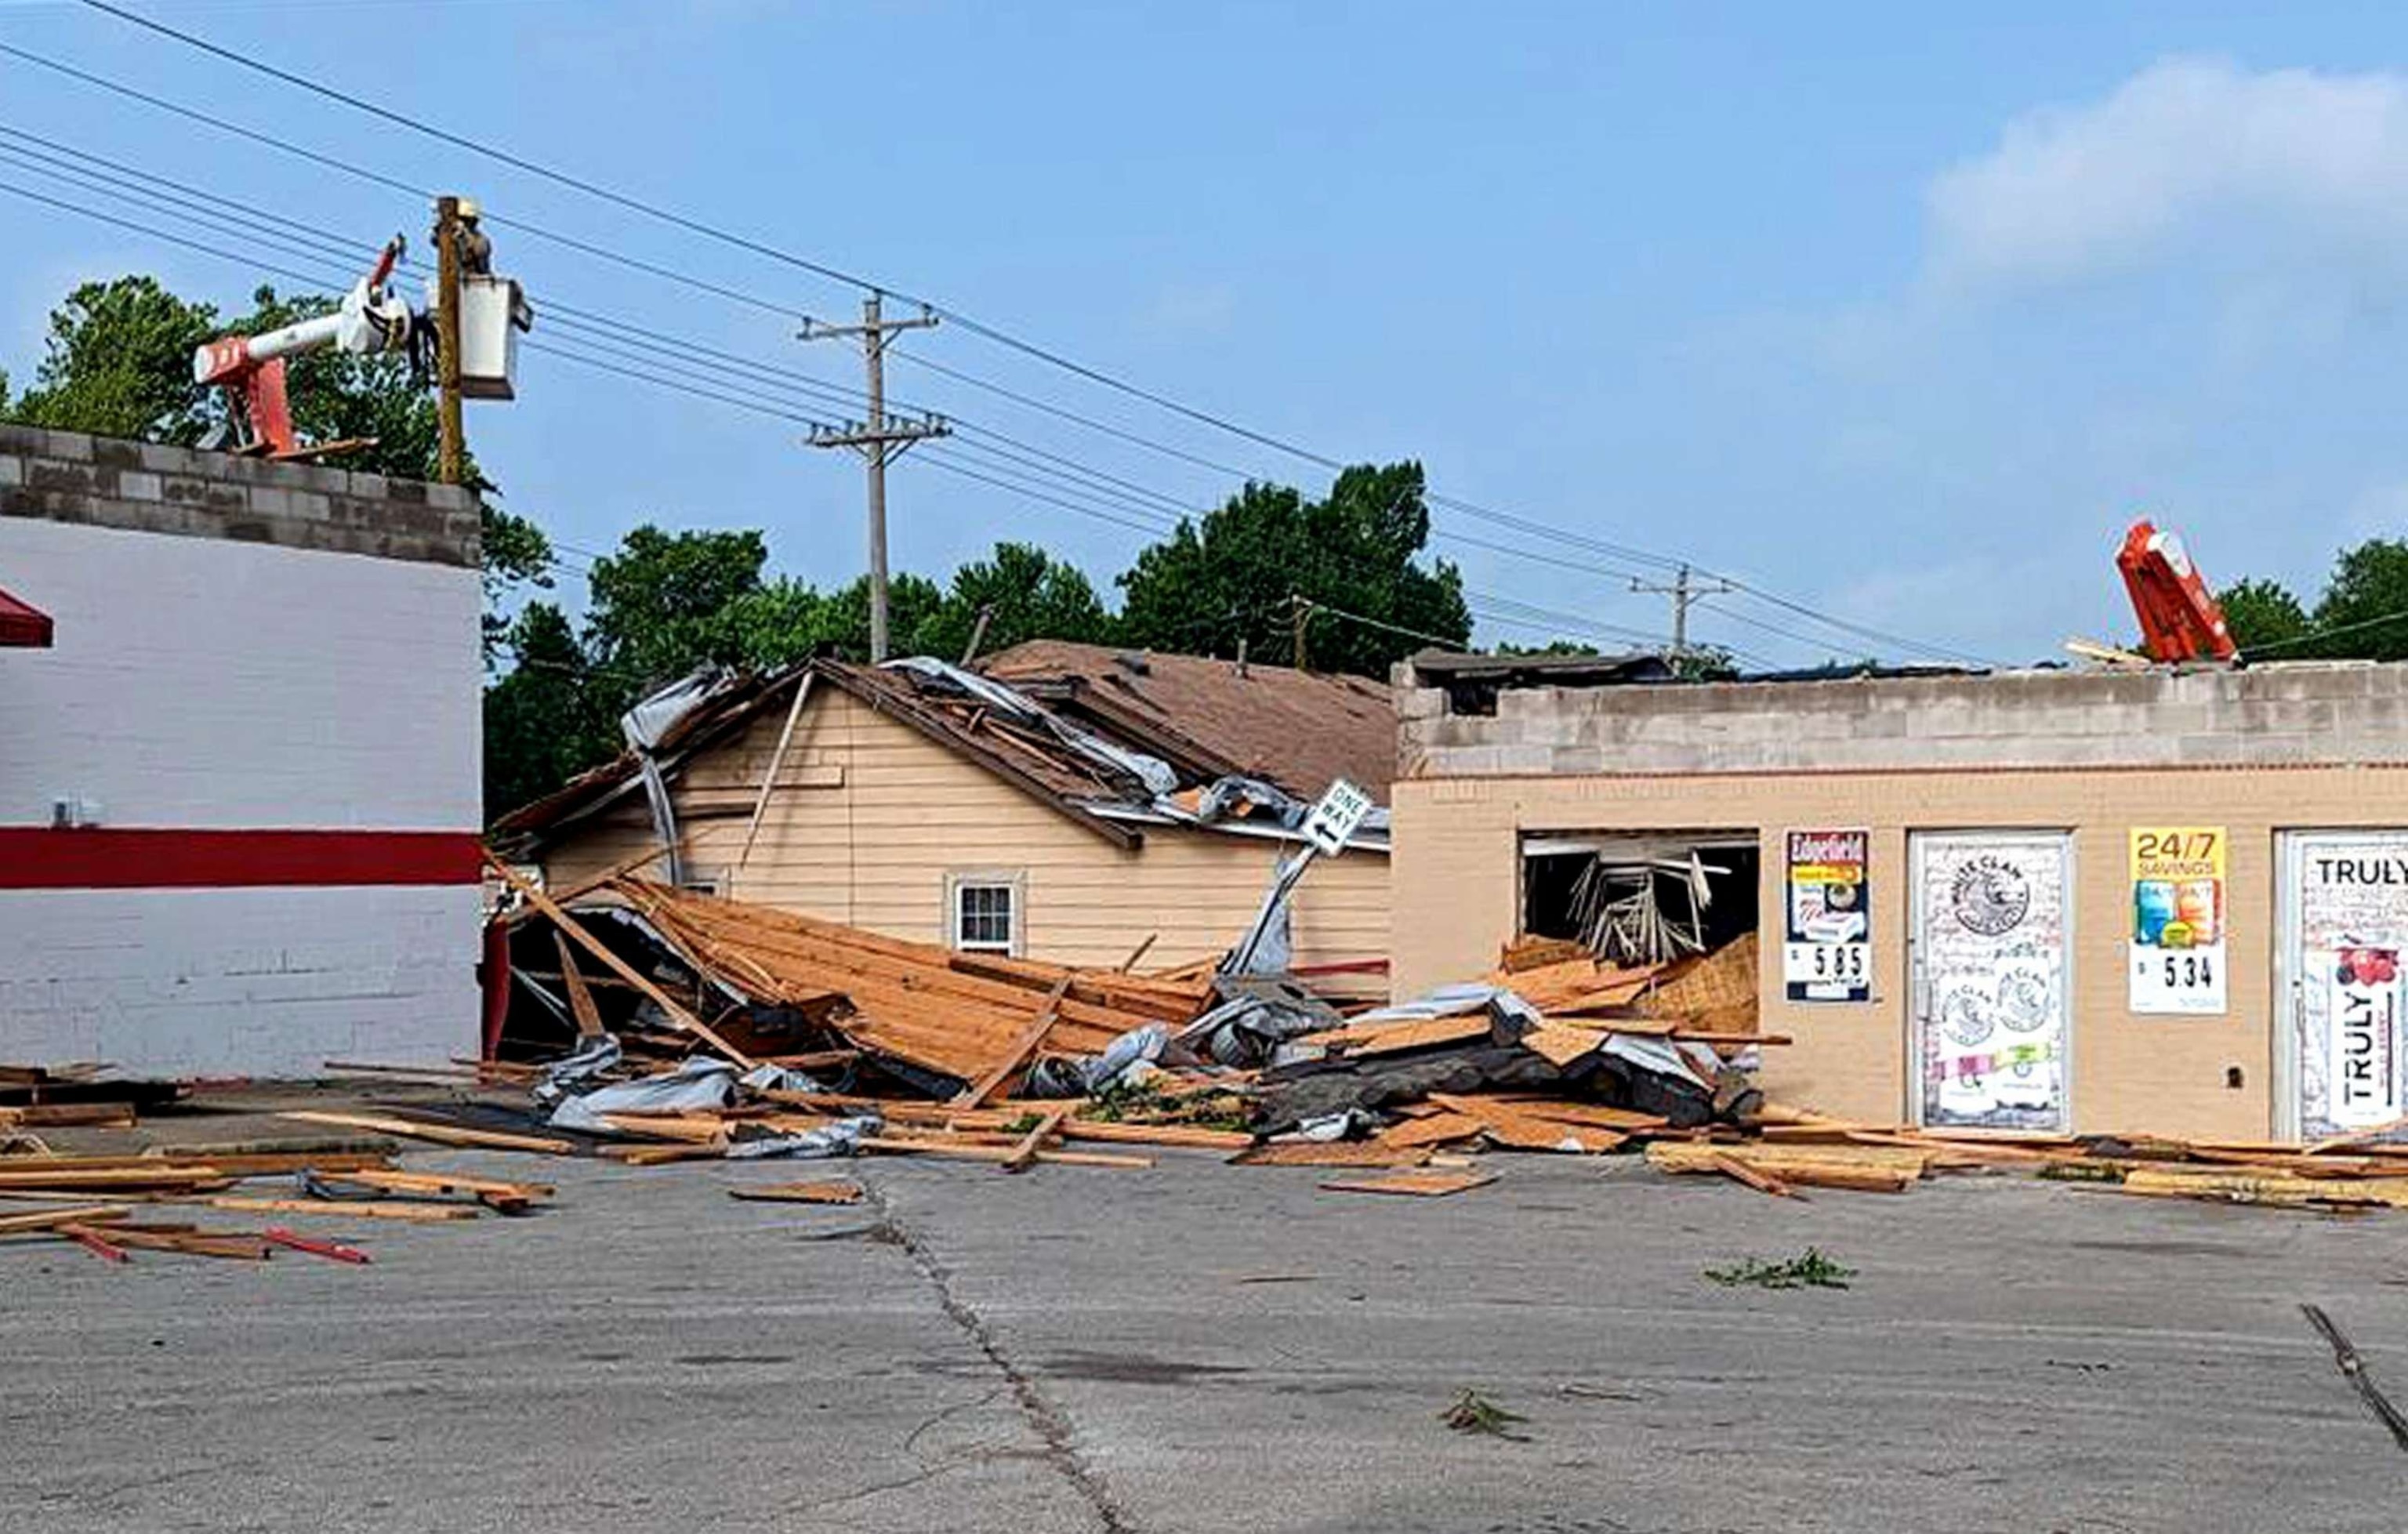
<point x="1297" y="728"/>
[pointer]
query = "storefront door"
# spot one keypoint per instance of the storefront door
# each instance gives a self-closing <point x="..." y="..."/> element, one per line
<point x="1990" y="932"/>
<point x="2344" y="930"/>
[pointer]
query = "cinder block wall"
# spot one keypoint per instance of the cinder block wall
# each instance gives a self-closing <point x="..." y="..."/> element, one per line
<point x="265" y="684"/>
<point x="2320" y="711"/>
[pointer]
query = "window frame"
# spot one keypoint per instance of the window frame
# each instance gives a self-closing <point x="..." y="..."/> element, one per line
<point x="1015" y="883"/>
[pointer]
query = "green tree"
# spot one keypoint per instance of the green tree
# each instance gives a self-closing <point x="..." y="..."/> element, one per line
<point x="1027" y="594"/>
<point x="2262" y="612"/>
<point x="2363" y="613"/>
<point x="119" y="362"/>
<point x="549" y="717"/>
<point x="1352" y="555"/>
<point x="668" y="602"/>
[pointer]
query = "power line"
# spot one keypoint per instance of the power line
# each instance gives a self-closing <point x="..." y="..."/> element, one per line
<point x="966" y="321"/>
<point x="184" y="200"/>
<point x="2312" y="635"/>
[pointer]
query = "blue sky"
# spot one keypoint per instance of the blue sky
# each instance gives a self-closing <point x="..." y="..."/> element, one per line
<point x="1902" y="310"/>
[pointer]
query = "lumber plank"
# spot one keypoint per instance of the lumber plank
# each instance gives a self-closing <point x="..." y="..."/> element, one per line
<point x="114" y="1176"/>
<point x="51" y="1219"/>
<point x="799" y="1193"/>
<point x="440" y="1134"/>
<point x="1411" y="1033"/>
<point x="1420" y="1184"/>
<point x="190" y="1243"/>
<point x="381" y="1209"/>
<point x="433" y="1183"/>
<point x="563" y="922"/>
<point x="914" y="1145"/>
<point x="581" y="999"/>
<point x="1436" y="1130"/>
<point x="1022" y="1048"/>
<point x="1740" y="1171"/>
<point x="1305" y="1153"/>
<point x="1023" y="1155"/>
<point x="1560" y="1044"/>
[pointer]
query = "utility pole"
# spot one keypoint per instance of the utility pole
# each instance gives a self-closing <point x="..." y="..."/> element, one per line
<point x="878" y="439"/>
<point x="1683" y="591"/>
<point x="1299" y="613"/>
<point x="453" y="450"/>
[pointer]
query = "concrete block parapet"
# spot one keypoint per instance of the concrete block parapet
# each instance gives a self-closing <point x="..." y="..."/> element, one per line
<point x="2305" y="712"/>
<point x="152" y="487"/>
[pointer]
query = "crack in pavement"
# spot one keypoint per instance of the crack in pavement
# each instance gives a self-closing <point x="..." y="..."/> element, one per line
<point x="1052" y="1424"/>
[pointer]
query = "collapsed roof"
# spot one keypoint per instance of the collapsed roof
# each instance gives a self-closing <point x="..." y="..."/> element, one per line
<point x="1113" y="768"/>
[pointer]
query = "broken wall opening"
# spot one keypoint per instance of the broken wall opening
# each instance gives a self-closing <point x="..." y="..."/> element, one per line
<point x="1641" y="898"/>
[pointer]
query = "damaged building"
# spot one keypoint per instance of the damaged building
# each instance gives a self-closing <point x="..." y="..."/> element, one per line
<point x="2165" y="900"/>
<point x="1065" y="803"/>
<point x="238" y="760"/>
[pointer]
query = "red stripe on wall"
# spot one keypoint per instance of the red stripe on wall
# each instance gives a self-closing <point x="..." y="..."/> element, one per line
<point x="132" y="858"/>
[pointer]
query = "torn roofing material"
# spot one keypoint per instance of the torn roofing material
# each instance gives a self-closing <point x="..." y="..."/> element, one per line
<point x="1110" y="780"/>
<point x="1214" y="718"/>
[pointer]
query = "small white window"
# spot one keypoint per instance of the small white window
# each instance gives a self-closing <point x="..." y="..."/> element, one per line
<point x="985" y="914"/>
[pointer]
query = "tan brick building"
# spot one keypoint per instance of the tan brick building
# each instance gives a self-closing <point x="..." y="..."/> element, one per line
<point x="2162" y="900"/>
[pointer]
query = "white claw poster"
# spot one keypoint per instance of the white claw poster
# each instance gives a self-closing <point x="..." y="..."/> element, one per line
<point x="1991" y="925"/>
<point x="2176" y="963"/>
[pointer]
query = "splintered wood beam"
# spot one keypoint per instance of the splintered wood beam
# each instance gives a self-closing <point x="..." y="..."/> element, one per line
<point x="580" y="1000"/>
<point x="1024" y="1154"/>
<point x="628" y="972"/>
<point x="1022" y="1048"/>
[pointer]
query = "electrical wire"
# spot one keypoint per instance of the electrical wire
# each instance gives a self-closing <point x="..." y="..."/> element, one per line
<point x="597" y="332"/>
<point x="966" y="321"/>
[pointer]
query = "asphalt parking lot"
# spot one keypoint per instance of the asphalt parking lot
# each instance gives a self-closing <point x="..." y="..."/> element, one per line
<point x="1204" y="1347"/>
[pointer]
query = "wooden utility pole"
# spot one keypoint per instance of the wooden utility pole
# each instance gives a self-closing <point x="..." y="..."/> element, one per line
<point x="878" y="439"/>
<point x="1684" y="593"/>
<point x="1299" y="613"/>
<point x="453" y="450"/>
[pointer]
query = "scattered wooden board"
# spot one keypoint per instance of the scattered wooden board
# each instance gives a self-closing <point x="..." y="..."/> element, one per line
<point x="1420" y="1184"/>
<point x="440" y="1134"/>
<point x="1559" y="1044"/>
<point x="918" y="1146"/>
<point x="1740" y="1171"/>
<point x="382" y="1209"/>
<point x="1438" y="1128"/>
<point x="51" y="1219"/>
<point x="1389" y="1037"/>
<point x="1023" y="1155"/>
<point x="1048" y="1013"/>
<point x="1332" y="1153"/>
<point x="799" y="1193"/>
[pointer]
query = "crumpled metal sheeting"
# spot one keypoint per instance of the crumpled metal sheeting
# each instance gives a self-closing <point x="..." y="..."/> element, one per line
<point x="842" y="1137"/>
<point x="589" y="1060"/>
<point x="1259" y="1015"/>
<point x="1155" y="773"/>
<point x="699" y="1085"/>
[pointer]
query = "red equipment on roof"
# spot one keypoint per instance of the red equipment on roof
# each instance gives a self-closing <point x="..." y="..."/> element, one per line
<point x="2180" y="619"/>
<point x="22" y="625"/>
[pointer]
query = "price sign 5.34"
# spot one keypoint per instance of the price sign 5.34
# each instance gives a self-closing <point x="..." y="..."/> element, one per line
<point x="2178" y="940"/>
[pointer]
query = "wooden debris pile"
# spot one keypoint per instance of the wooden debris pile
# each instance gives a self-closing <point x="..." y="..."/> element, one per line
<point x="1791" y="1149"/>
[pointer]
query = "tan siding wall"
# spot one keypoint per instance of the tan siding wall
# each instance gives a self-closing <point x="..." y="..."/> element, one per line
<point x="870" y="818"/>
<point x="1456" y="891"/>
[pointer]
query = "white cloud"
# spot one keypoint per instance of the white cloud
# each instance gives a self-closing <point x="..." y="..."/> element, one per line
<point x="2076" y="192"/>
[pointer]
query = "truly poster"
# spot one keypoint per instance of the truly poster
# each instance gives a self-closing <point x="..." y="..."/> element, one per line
<point x="1990" y="957"/>
<point x="1827" y="956"/>
<point x="2348" y="899"/>
<point x="2176" y="963"/>
<point x="2363" y="1003"/>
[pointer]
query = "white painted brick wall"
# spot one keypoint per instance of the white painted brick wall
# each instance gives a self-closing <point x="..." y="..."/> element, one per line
<point x="203" y="683"/>
<point x="265" y="982"/>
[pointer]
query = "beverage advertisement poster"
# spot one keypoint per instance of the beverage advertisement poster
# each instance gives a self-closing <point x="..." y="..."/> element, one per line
<point x="2349" y="901"/>
<point x="1827" y="956"/>
<point x="2178" y="936"/>
<point x="1991" y="936"/>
